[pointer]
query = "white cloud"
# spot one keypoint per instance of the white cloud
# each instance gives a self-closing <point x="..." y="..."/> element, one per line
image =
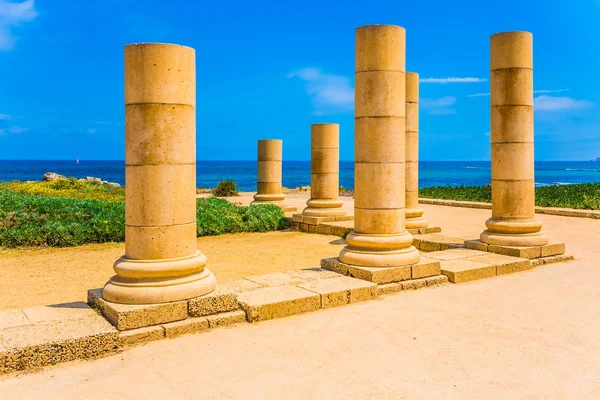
<point x="13" y="14"/>
<point x="535" y="91"/>
<point x="441" y="106"/>
<point x="552" y="103"/>
<point x="452" y="79"/>
<point x="5" y="117"/>
<point x="329" y="93"/>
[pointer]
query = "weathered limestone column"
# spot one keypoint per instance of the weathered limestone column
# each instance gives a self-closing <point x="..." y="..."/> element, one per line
<point x="270" y="155"/>
<point x="513" y="220"/>
<point x="414" y="214"/>
<point x="324" y="172"/>
<point x="161" y="262"/>
<point x="379" y="238"/>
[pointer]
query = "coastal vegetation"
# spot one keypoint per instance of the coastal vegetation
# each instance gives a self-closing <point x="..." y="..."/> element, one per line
<point x="71" y="213"/>
<point x="226" y="188"/>
<point x="580" y="196"/>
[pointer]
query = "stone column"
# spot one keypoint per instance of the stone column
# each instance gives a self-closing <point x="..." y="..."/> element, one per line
<point x="513" y="220"/>
<point x="161" y="262"/>
<point x="270" y="154"/>
<point x="379" y="238"/>
<point x="414" y="214"/>
<point x="324" y="172"/>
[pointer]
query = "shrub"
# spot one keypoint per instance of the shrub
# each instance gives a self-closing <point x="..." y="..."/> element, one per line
<point x="226" y="188"/>
<point x="67" y="187"/>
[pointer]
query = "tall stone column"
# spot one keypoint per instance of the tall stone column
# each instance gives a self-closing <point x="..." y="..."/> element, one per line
<point x="324" y="172"/>
<point x="270" y="155"/>
<point x="161" y="262"/>
<point x="513" y="220"/>
<point x="379" y="238"/>
<point x="414" y="214"/>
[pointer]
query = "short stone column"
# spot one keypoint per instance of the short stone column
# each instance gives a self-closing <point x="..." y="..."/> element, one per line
<point x="414" y="214"/>
<point x="513" y="220"/>
<point x="324" y="172"/>
<point x="270" y="155"/>
<point x="379" y="238"/>
<point x="161" y="262"/>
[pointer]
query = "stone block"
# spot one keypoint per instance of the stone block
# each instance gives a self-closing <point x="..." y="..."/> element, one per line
<point x="528" y="252"/>
<point x="54" y="341"/>
<point x="141" y="335"/>
<point x="297" y="218"/>
<point x="504" y="264"/>
<point x="380" y="275"/>
<point x="276" y="279"/>
<point x="185" y="327"/>
<point x="427" y="246"/>
<point x="335" y="265"/>
<point x="228" y="318"/>
<point x="553" y="249"/>
<point x="439" y="280"/>
<point x="552" y="259"/>
<point x="312" y="220"/>
<point x="342" y="290"/>
<point x="218" y="301"/>
<point x="132" y="316"/>
<point x="459" y="271"/>
<point x="414" y="284"/>
<point x="241" y="286"/>
<point x="278" y="302"/>
<point x="312" y="274"/>
<point x="455" y="254"/>
<point x="425" y="267"/>
<point x="313" y="228"/>
<point x="389" y="288"/>
<point x="476" y="245"/>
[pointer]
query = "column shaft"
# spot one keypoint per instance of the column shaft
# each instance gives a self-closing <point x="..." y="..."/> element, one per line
<point x="324" y="172"/>
<point x="269" y="172"/>
<point x="161" y="261"/>
<point x="513" y="220"/>
<point x="414" y="214"/>
<point x="379" y="238"/>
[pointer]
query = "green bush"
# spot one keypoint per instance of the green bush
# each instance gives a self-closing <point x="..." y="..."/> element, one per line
<point x="226" y="188"/>
<point x="580" y="195"/>
<point x="27" y="220"/>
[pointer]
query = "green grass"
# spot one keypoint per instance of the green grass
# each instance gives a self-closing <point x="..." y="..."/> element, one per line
<point x="581" y="196"/>
<point x="36" y="220"/>
<point x="68" y="187"/>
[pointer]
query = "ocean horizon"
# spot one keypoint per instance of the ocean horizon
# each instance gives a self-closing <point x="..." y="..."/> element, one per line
<point x="297" y="173"/>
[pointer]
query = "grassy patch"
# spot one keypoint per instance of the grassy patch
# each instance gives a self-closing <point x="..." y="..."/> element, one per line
<point x="581" y="196"/>
<point x="27" y="220"/>
<point x="68" y="187"/>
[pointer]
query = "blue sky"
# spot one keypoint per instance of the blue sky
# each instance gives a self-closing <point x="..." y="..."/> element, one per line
<point x="269" y="69"/>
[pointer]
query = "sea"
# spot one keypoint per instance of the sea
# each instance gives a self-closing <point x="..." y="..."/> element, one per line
<point x="297" y="173"/>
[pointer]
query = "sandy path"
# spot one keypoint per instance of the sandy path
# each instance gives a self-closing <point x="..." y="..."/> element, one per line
<point x="32" y="277"/>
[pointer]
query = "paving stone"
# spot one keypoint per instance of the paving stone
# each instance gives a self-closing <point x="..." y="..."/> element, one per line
<point x="459" y="271"/>
<point x="389" y="288"/>
<point x="220" y="300"/>
<point x="241" y="286"/>
<point x="312" y="274"/>
<point x="454" y="254"/>
<point x="380" y="275"/>
<point x="141" y="335"/>
<point x="504" y="264"/>
<point x="132" y="316"/>
<point x="275" y="279"/>
<point x="425" y="267"/>
<point x="228" y="318"/>
<point x="552" y="259"/>
<point x="10" y="318"/>
<point x="427" y="246"/>
<point x="414" y="284"/>
<point x="185" y="327"/>
<point x="476" y="245"/>
<point x="429" y="229"/>
<point x="54" y="341"/>
<point x="439" y="280"/>
<point x="278" y="302"/>
<point x="297" y="218"/>
<point x="342" y="290"/>
<point x="528" y="252"/>
<point x="335" y="265"/>
<point x="553" y="249"/>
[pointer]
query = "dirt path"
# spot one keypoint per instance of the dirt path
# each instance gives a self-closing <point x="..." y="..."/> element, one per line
<point x="32" y="277"/>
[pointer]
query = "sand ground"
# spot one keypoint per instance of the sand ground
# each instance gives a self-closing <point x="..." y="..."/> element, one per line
<point x="531" y="335"/>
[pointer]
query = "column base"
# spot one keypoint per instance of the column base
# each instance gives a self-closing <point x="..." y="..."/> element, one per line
<point x="281" y="204"/>
<point x="414" y="218"/>
<point x="514" y="233"/>
<point x="144" y="281"/>
<point x="324" y="208"/>
<point x="372" y="250"/>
